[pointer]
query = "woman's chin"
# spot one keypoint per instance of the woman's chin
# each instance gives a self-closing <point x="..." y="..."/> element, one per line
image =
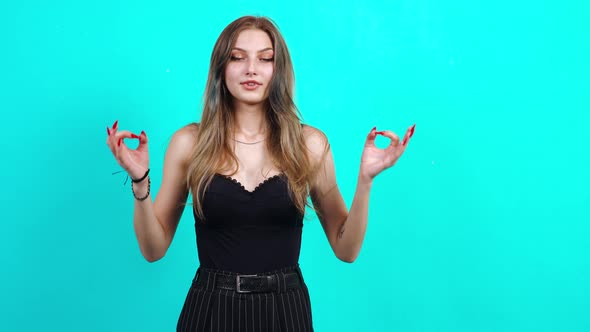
<point x="249" y="101"/>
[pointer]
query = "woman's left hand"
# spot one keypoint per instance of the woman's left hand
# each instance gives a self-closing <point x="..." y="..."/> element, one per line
<point x="375" y="160"/>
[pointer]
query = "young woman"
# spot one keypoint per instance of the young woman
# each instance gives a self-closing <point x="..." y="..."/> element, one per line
<point x="250" y="165"/>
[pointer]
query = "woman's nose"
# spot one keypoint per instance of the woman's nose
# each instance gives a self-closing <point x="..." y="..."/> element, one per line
<point x="251" y="69"/>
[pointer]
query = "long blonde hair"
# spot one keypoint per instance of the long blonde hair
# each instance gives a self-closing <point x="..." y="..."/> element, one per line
<point x="286" y="146"/>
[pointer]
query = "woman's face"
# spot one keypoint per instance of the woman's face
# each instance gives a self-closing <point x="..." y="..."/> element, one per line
<point x="248" y="73"/>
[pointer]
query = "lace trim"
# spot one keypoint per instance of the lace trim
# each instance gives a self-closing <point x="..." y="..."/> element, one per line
<point x="276" y="176"/>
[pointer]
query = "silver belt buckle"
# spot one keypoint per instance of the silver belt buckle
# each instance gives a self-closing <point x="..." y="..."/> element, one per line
<point x="238" y="282"/>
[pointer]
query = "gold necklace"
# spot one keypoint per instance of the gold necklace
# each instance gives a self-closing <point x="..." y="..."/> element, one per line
<point x="249" y="143"/>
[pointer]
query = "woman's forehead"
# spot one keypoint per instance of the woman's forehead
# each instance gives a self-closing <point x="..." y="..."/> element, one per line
<point x="253" y="40"/>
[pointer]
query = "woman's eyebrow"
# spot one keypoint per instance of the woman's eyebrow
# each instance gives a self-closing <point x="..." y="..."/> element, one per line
<point x="262" y="50"/>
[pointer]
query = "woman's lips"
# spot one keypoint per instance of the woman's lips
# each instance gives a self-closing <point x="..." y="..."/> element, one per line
<point x="250" y="85"/>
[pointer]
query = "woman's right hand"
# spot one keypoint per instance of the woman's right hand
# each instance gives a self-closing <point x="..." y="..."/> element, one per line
<point x="135" y="162"/>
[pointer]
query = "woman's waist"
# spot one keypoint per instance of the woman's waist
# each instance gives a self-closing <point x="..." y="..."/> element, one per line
<point x="262" y="272"/>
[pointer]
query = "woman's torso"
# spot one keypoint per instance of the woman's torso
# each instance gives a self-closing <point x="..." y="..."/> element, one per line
<point x="248" y="231"/>
<point x="251" y="224"/>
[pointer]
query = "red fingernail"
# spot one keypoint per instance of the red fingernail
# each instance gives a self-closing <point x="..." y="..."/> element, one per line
<point x="134" y="136"/>
<point x="119" y="143"/>
<point x="412" y="132"/>
<point x="108" y="131"/>
<point x="380" y="132"/>
<point x="115" y="124"/>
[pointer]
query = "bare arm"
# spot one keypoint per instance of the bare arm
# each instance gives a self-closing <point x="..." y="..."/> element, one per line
<point x="346" y="229"/>
<point x="155" y="223"/>
<point x="326" y="196"/>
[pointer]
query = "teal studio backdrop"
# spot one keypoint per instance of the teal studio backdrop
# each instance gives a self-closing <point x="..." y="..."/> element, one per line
<point x="482" y="225"/>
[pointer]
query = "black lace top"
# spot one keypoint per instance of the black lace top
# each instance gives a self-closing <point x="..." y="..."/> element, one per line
<point x="248" y="231"/>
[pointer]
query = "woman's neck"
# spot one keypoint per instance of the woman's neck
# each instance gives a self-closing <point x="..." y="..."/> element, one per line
<point x="250" y="122"/>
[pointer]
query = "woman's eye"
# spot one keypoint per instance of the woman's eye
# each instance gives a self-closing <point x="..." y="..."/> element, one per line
<point x="238" y="58"/>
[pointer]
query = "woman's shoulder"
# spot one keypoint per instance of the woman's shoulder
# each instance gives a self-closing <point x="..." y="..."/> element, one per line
<point x="315" y="140"/>
<point x="183" y="141"/>
<point x="313" y="133"/>
<point x="187" y="133"/>
<point x="191" y="128"/>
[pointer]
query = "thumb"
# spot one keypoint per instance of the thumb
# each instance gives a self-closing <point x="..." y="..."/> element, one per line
<point x="142" y="141"/>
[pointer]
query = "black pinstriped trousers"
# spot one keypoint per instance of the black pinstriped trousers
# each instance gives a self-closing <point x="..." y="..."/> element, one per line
<point x="220" y="310"/>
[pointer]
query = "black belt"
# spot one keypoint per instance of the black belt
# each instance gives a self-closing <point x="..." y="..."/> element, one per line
<point x="251" y="283"/>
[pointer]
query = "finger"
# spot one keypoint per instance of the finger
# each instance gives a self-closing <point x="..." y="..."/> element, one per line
<point x="110" y="141"/>
<point x="391" y="135"/>
<point x="127" y="134"/>
<point x="409" y="134"/>
<point x="118" y="143"/>
<point x="371" y="137"/>
<point x="406" y="137"/>
<point x="110" y="145"/>
<point x="394" y="153"/>
<point x="115" y="127"/>
<point x="111" y="132"/>
<point x="143" y="140"/>
<point x="120" y="135"/>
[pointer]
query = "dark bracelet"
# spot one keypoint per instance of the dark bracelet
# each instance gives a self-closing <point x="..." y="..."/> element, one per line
<point x="146" y="195"/>
<point x="144" y="176"/>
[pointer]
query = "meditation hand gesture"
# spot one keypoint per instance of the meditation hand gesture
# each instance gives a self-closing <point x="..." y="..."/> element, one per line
<point x="375" y="160"/>
<point x="135" y="162"/>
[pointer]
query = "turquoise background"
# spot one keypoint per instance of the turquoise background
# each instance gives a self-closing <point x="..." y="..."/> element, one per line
<point x="482" y="225"/>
